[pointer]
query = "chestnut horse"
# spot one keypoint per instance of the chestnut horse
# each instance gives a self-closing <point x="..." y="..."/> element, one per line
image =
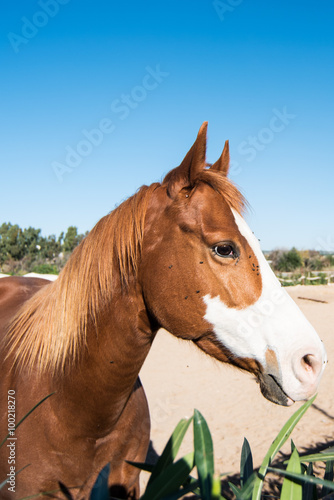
<point x="176" y="255"/>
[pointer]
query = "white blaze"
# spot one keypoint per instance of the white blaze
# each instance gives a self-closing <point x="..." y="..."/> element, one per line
<point x="273" y="322"/>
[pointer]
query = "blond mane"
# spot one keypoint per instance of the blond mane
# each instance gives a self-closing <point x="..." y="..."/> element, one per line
<point x="51" y="327"/>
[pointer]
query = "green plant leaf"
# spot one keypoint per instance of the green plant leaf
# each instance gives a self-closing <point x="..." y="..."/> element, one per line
<point x="100" y="489"/>
<point x="171" y="449"/>
<point x="170" y="479"/>
<point x="309" y="490"/>
<point x="328" y="450"/>
<point x="292" y="489"/>
<point x="235" y="490"/>
<point x="246" y="463"/>
<point x="328" y="477"/>
<point x="65" y="491"/>
<point x="244" y="493"/>
<point x="50" y="494"/>
<point x="216" y="488"/>
<point x="204" y="460"/>
<point x="303" y="478"/>
<point x="187" y="488"/>
<point x="3" y="483"/>
<point x="281" y="438"/>
<point x="247" y="490"/>
<point x="315" y="457"/>
<point x="25" y="416"/>
<point x="16" y="473"/>
<point x="141" y="465"/>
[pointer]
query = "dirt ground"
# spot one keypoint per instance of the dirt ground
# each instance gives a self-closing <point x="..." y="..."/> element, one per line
<point x="177" y="378"/>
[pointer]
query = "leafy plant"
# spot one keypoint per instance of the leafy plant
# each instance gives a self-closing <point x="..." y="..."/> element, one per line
<point x="298" y="484"/>
<point x="171" y="476"/>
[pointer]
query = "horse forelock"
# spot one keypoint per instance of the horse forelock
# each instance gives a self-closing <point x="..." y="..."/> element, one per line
<point x="225" y="187"/>
<point x="49" y="331"/>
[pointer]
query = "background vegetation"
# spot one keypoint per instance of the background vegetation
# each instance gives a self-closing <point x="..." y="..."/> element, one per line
<point x="26" y="250"/>
<point x="307" y="267"/>
<point x="308" y="260"/>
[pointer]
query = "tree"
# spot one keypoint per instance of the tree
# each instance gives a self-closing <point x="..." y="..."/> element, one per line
<point x="32" y="240"/>
<point x="72" y="239"/>
<point x="12" y="243"/>
<point x="289" y="261"/>
<point x="51" y="246"/>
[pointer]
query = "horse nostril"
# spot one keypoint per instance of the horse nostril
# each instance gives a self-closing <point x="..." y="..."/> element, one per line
<point x="311" y="365"/>
<point x="306" y="372"/>
<point x="308" y="368"/>
<point x="308" y="362"/>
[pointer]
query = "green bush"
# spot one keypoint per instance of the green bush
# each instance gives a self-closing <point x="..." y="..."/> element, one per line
<point x="289" y="261"/>
<point x="45" y="269"/>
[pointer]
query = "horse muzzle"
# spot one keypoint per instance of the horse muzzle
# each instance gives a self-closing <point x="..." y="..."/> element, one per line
<point x="272" y="390"/>
<point x="302" y="374"/>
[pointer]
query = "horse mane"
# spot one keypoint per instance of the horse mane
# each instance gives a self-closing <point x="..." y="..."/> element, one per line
<point x="50" y="329"/>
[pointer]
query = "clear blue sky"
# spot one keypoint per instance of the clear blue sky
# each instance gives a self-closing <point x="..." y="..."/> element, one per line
<point x="148" y="74"/>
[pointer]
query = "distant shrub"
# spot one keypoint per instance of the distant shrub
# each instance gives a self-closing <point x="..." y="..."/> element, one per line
<point x="289" y="261"/>
<point x="45" y="269"/>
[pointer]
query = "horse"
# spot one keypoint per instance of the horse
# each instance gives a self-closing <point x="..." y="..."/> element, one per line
<point x="176" y="255"/>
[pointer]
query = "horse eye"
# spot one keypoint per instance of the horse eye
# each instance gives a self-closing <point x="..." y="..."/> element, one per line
<point x="225" y="250"/>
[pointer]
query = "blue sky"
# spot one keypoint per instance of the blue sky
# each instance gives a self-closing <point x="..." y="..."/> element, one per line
<point x="147" y="74"/>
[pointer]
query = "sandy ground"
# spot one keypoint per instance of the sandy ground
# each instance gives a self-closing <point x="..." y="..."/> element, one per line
<point x="177" y="378"/>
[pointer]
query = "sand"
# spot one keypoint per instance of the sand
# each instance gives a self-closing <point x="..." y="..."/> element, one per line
<point x="178" y="377"/>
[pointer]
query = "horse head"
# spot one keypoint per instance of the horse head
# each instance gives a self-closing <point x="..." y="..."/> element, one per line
<point x="205" y="279"/>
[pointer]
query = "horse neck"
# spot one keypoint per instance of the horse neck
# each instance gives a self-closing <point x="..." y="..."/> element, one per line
<point x="117" y="343"/>
<point x="89" y="329"/>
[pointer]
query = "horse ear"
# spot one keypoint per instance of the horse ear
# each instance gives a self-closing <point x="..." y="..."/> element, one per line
<point x="223" y="163"/>
<point x="193" y="163"/>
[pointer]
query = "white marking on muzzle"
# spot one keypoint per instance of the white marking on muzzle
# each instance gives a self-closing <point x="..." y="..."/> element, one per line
<point x="273" y="322"/>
